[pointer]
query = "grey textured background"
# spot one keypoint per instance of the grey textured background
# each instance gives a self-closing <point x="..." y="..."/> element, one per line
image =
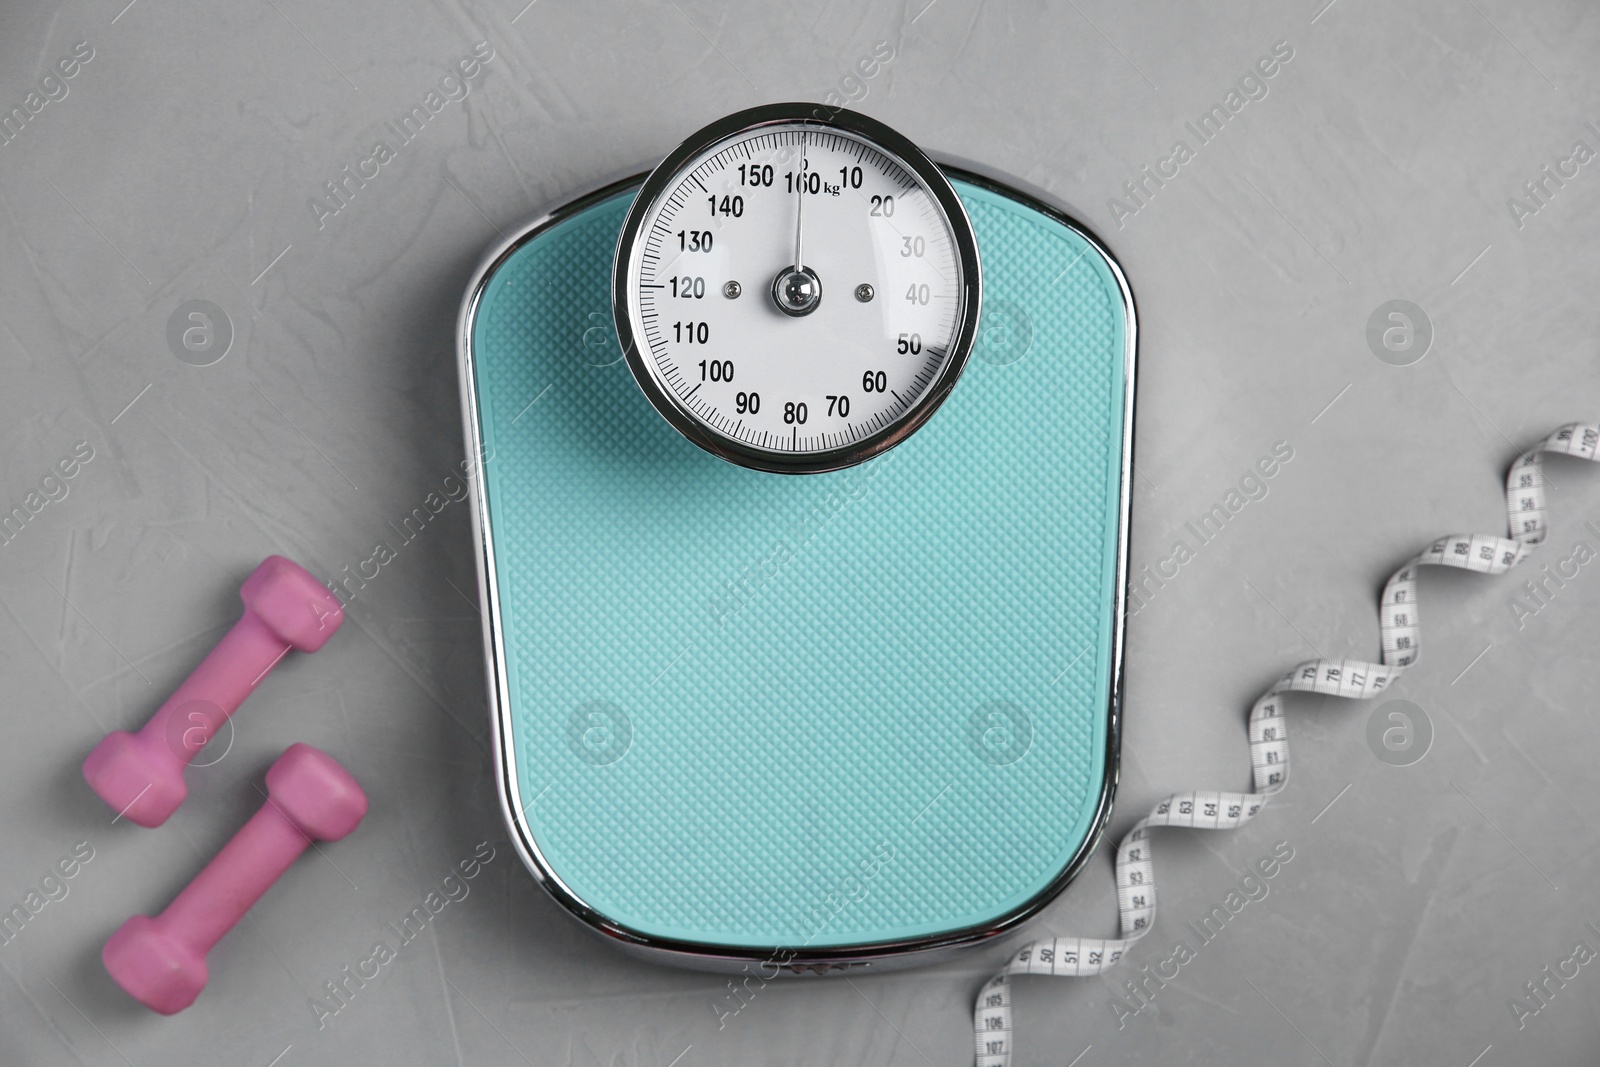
<point x="179" y="166"/>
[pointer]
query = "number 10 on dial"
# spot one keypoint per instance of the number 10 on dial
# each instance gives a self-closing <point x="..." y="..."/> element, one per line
<point x="796" y="289"/>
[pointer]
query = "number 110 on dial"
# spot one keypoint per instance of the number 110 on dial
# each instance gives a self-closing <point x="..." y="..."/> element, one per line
<point x="796" y="289"/>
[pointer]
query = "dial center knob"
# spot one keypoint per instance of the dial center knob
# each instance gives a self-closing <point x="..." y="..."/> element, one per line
<point x="797" y="291"/>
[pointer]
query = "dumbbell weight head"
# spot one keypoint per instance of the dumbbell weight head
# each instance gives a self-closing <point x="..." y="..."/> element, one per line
<point x="161" y="961"/>
<point x="292" y="603"/>
<point x="140" y="779"/>
<point x="156" y="968"/>
<point x="316" y="794"/>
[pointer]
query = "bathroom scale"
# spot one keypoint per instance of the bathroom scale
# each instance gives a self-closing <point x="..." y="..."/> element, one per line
<point x="801" y="523"/>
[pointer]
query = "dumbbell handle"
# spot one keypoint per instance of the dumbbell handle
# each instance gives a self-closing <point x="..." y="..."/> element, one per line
<point x="217" y="899"/>
<point x="228" y="674"/>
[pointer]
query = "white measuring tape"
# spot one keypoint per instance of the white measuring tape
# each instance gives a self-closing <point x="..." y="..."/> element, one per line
<point x="1269" y="747"/>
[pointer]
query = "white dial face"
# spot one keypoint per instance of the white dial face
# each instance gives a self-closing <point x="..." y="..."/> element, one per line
<point x="793" y="362"/>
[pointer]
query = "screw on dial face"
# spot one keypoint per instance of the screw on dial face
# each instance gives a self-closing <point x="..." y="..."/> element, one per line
<point x="796" y="201"/>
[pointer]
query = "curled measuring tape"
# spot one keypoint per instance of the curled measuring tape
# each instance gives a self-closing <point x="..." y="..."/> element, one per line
<point x="1399" y="624"/>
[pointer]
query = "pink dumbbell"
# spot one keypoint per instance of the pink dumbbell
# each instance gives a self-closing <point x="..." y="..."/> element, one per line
<point x="141" y="775"/>
<point x="161" y="962"/>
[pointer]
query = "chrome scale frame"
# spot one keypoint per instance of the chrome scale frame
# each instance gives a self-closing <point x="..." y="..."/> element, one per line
<point x="776" y="959"/>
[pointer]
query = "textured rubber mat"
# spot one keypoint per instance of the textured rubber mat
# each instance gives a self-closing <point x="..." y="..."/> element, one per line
<point x="753" y="710"/>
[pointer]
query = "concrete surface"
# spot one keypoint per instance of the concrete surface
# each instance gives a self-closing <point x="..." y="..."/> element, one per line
<point x="180" y="163"/>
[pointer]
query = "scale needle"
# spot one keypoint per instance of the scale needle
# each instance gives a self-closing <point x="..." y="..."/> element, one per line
<point x="800" y="213"/>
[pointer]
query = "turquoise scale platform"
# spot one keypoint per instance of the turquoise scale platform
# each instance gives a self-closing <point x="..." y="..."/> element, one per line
<point x="829" y="712"/>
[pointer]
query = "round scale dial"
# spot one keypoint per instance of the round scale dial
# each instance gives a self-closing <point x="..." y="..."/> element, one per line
<point x="796" y="289"/>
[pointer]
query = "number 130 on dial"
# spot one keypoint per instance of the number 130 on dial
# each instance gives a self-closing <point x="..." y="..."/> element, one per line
<point x="796" y="293"/>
